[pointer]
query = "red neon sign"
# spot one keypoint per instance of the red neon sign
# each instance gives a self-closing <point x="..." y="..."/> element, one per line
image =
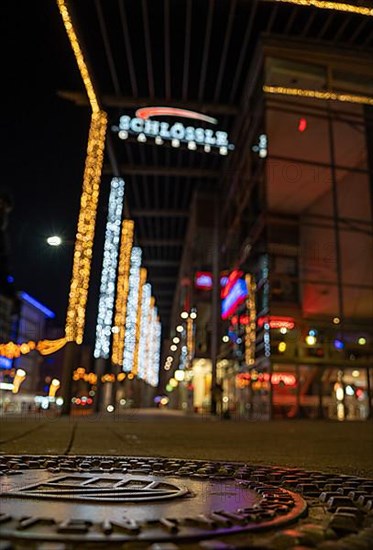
<point x="277" y="322"/>
<point x="148" y="112"/>
<point x="203" y="280"/>
<point x="232" y="279"/>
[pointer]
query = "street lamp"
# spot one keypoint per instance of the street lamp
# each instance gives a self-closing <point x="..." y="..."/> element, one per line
<point x="54" y="240"/>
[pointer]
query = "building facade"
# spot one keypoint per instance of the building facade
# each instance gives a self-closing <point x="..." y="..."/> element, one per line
<point x="304" y="228"/>
<point x="297" y="219"/>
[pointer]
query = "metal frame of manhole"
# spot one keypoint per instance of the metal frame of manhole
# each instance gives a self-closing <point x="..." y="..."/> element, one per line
<point x="140" y="501"/>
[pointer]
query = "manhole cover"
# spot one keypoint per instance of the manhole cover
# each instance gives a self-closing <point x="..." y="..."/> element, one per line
<point x="115" y="500"/>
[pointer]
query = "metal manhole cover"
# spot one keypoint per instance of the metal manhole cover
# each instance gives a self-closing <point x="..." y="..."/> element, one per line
<point x="113" y="500"/>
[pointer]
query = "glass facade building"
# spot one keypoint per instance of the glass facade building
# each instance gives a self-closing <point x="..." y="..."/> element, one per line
<point x="303" y="212"/>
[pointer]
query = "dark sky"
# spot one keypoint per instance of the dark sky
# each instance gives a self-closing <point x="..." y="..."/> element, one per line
<point x="43" y="148"/>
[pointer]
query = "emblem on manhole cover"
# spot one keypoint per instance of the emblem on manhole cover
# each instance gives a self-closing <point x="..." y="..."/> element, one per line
<point x="103" y="488"/>
<point x="113" y="500"/>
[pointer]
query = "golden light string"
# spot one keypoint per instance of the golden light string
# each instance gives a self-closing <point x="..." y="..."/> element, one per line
<point x="250" y="328"/>
<point x="135" y="367"/>
<point x="76" y="310"/>
<point x="326" y="5"/>
<point x="122" y="291"/>
<point x="11" y="350"/>
<point x="78" y="55"/>
<point x="317" y="94"/>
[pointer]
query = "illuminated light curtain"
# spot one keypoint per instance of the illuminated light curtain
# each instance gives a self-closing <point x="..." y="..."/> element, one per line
<point x="154" y="349"/>
<point x="122" y="291"/>
<point x="145" y="310"/>
<point x="109" y="269"/>
<point x="327" y="5"/>
<point x="190" y="340"/>
<point x="156" y="363"/>
<point x="131" y="317"/>
<point x="317" y="94"/>
<point x="149" y="341"/>
<point x="250" y="328"/>
<point x="76" y="310"/>
<point x="69" y="27"/>
<point x="138" y="321"/>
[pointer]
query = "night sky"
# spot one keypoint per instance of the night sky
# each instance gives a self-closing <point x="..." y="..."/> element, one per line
<point x="43" y="148"/>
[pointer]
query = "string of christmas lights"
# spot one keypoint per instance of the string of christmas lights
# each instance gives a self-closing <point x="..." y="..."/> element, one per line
<point x="78" y="55"/>
<point x="153" y="376"/>
<point x="132" y="303"/>
<point x="144" y="327"/>
<point x="327" y="5"/>
<point x="109" y="269"/>
<point x="316" y="94"/>
<point x="122" y="291"/>
<point x="75" y="319"/>
<point x="11" y="350"/>
<point x="250" y="328"/>
<point x="135" y="366"/>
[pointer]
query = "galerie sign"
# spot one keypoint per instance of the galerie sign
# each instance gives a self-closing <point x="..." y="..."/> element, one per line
<point x="144" y="126"/>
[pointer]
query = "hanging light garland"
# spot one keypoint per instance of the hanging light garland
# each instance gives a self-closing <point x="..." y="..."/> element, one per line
<point x="142" y="282"/>
<point x="109" y="269"/>
<point x="144" y="328"/>
<point x="317" y="94"/>
<point x="327" y="5"/>
<point x="11" y="350"/>
<point x="132" y="303"/>
<point x="122" y="292"/>
<point x="75" y="319"/>
<point x="250" y="328"/>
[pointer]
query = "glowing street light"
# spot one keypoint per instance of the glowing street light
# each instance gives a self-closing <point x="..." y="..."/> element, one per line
<point x="54" y="240"/>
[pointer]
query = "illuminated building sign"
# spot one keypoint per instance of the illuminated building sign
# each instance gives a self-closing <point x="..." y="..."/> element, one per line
<point x="233" y="298"/>
<point x="277" y="322"/>
<point x="144" y="127"/>
<point x="203" y="280"/>
<point x="230" y="282"/>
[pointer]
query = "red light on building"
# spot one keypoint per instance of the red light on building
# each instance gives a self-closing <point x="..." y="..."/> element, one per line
<point x="284" y="378"/>
<point x="232" y="279"/>
<point x="203" y="280"/>
<point x="242" y="320"/>
<point x="277" y="322"/>
<point x="302" y="125"/>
